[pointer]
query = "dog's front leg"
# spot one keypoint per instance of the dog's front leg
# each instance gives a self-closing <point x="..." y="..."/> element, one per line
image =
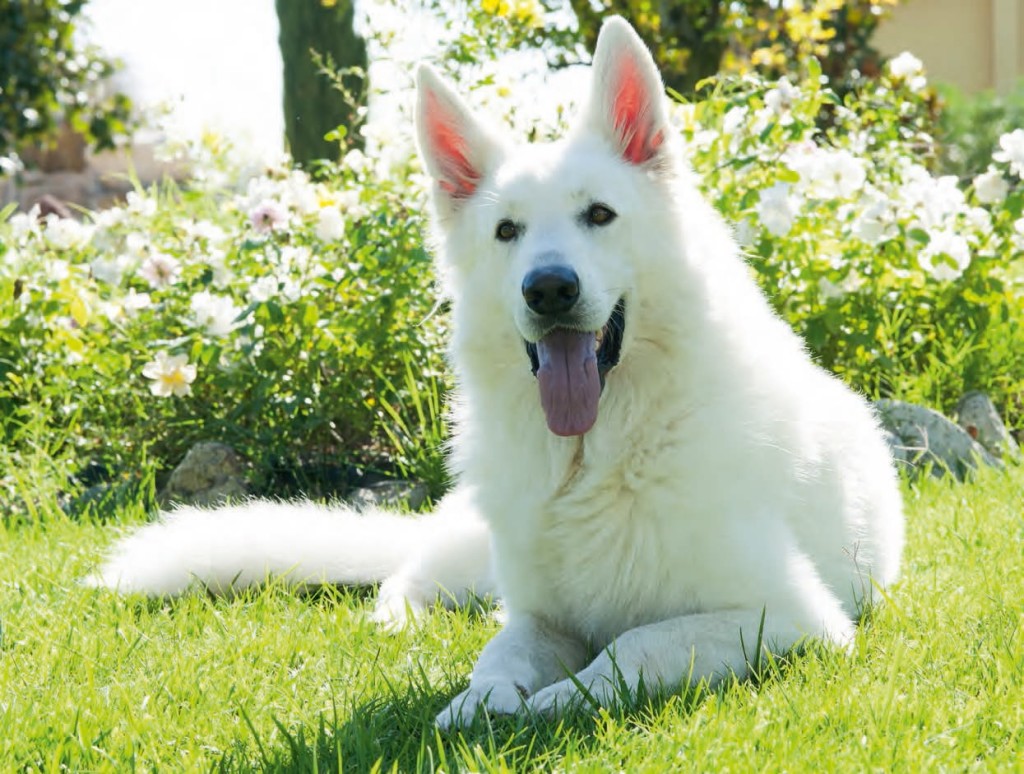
<point x="523" y="657"/>
<point x="706" y="646"/>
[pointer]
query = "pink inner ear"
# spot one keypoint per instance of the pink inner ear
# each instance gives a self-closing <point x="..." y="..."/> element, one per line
<point x="633" y="116"/>
<point x="457" y="176"/>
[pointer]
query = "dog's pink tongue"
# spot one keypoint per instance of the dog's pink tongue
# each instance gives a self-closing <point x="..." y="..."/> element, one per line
<point x="570" y="386"/>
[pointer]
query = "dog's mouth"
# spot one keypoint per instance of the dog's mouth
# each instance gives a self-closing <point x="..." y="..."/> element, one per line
<point x="571" y="366"/>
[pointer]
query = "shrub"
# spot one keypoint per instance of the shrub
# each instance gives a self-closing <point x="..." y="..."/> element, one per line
<point x="275" y="319"/>
<point x="902" y="282"/>
<point x="281" y="316"/>
<point x="46" y="77"/>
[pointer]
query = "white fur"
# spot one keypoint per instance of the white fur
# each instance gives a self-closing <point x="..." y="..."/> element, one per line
<point x="729" y="489"/>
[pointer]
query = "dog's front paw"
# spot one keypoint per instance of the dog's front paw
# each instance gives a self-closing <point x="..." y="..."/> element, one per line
<point x="493" y="699"/>
<point x="555" y="698"/>
<point x="584" y="690"/>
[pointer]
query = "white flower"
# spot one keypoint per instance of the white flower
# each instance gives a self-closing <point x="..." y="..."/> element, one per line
<point x="300" y="260"/>
<point x="25" y="224"/>
<point x="171" y="375"/>
<point x="851" y="283"/>
<point x="267" y="216"/>
<point x="780" y="100"/>
<point x="355" y="160"/>
<point x="217" y="261"/>
<point x="744" y="233"/>
<point x="946" y="255"/>
<point x="66" y="233"/>
<point x="134" y="302"/>
<point x="330" y="226"/>
<point x="264" y="289"/>
<point x="683" y="116"/>
<point x="57" y="270"/>
<point x="842" y="175"/>
<point x="12" y="262"/>
<point x="140" y="204"/>
<point x="291" y="290"/>
<point x="350" y="203"/>
<point x="908" y="68"/>
<point x="111" y="270"/>
<point x="906" y="65"/>
<point x="777" y="208"/>
<point x="304" y="195"/>
<point x="216" y="315"/>
<point x="980" y="221"/>
<point x="112" y="310"/>
<point x="990" y="187"/>
<point x="108" y="218"/>
<point x="872" y="231"/>
<point x="931" y="201"/>
<point x="1011" y="151"/>
<point x="10" y="165"/>
<point x="734" y="119"/>
<point x="137" y="244"/>
<point x="826" y="174"/>
<point x="160" y="270"/>
<point x="204" y="230"/>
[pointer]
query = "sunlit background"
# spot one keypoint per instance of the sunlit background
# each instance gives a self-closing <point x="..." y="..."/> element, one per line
<point x="214" y="63"/>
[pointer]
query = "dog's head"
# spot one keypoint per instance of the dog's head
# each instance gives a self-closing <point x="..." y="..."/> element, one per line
<point x="545" y="238"/>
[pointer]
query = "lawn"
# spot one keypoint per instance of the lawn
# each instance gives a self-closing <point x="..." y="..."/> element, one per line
<point x="92" y="681"/>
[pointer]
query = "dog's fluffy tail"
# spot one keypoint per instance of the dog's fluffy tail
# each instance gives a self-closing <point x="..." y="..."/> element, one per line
<point x="230" y="548"/>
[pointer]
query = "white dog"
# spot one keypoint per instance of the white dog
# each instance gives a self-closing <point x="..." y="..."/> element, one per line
<point x="657" y="478"/>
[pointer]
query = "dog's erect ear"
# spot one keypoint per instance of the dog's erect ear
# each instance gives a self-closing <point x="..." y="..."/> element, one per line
<point x="627" y="98"/>
<point x="457" y="151"/>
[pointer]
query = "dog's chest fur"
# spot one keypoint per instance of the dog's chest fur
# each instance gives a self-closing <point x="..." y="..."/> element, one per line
<point x="594" y="534"/>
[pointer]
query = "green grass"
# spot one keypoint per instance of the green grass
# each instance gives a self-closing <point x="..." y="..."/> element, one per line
<point x="90" y="681"/>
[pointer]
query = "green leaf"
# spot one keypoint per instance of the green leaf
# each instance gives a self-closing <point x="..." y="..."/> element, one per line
<point x="79" y="311"/>
<point x="813" y="69"/>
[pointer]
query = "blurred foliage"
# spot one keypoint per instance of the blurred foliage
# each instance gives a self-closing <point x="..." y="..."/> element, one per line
<point x="47" y="76"/>
<point x="969" y="127"/>
<point x="694" y="39"/>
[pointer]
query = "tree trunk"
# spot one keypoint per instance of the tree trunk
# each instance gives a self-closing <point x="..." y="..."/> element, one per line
<point x="313" y="105"/>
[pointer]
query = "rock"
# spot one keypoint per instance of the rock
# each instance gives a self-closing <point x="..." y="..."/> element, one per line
<point x="210" y="474"/>
<point x="920" y="436"/>
<point x="389" y="494"/>
<point x="50" y="205"/>
<point x="976" y="414"/>
<point x="68" y="187"/>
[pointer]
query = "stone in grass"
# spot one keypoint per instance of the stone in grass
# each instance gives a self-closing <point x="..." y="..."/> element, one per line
<point x="976" y="414"/>
<point x="919" y="436"/>
<point x="389" y="494"/>
<point x="210" y="474"/>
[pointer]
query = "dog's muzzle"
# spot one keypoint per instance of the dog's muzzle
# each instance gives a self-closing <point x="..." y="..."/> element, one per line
<point x="570" y="364"/>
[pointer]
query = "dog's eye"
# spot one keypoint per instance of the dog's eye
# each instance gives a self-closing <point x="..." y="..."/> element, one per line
<point x="599" y="215"/>
<point x="506" y="231"/>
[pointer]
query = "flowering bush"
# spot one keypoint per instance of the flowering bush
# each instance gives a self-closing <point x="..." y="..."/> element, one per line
<point x="274" y="317"/>
<point x="902" y="282"/>
<point x="295" y="318"/>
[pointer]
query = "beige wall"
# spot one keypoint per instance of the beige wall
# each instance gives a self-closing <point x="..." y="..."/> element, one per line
<point x="974" y="44"/>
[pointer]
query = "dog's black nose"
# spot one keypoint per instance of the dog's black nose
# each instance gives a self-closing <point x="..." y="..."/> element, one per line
<point x="551" y="289"/>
